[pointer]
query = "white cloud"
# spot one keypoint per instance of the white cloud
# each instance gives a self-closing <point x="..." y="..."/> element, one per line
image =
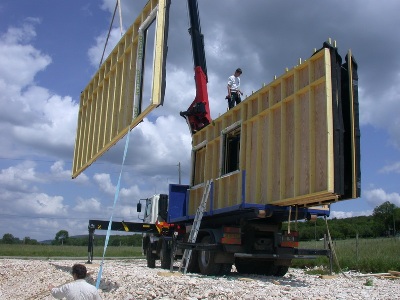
<point x="87" y="205"/>
<point x="57" y="170"/>
<point x="382" y="112"/>
<point x="20" y="61"/>
<point x="41" y="204"/>
<point x="376" y="197"/>
<point x="132" y="192"/>
<point x="60" y="174"/>
<point x="166" y="139"/>
<point x="20" y="177"/>
<point x="128" y="213"/>
<point x="104" y="182"/>
<point x="57" y="124"/>
<point x="393" y="168"/>
<point x="95" y="52"/>
<point x="31" y="116"/>
<point x="19" y="65"/>
<point x="349" y="214"/>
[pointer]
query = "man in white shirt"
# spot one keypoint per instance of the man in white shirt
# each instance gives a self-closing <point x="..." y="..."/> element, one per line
<point x="234" y="89"/>
<point x="79" y="289"/>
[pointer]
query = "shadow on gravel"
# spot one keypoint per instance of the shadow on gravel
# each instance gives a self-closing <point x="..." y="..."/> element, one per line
<point x="233" y="276"/>
<point x="108" y="286"/>
<point x="62" y="268"/>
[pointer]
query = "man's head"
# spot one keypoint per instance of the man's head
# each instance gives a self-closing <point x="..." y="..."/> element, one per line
<point x="79" y="271"/>
<point x="238" y="72"/>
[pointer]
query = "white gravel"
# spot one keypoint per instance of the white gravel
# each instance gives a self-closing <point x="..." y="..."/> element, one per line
<point x="131" y="279"/>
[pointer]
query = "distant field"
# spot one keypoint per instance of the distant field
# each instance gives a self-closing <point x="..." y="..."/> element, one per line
<point x="67" y="251"/>
<point x="369" y="255"/>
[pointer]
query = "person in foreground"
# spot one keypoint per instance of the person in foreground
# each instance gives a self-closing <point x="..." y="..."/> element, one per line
<point x="77" y="289"/>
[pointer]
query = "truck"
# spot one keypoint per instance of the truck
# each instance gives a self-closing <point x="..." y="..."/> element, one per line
<point x="246" y="237"/>
<point x="282" y="155"/>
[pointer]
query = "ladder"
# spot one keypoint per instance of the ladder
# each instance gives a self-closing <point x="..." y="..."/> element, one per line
<point x="196" y="225"/>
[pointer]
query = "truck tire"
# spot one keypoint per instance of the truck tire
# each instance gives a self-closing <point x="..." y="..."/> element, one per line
<point x="281" y="271"/>
<point x="165" y="255"/>
<point x="243" y="266"/>
<point x="150" y="257"/>
<point x="193" y="266"/>
<point x="266" y="268"/>
<point x="206" y="259"/>
<point x="225" y="269"/>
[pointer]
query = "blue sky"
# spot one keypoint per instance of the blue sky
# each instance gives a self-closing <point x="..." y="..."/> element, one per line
<point x="49" y="51"/>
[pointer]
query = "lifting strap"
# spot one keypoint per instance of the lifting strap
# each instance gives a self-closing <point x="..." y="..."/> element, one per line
<point x="117" y="189"/>
<point x="117" y="4"/>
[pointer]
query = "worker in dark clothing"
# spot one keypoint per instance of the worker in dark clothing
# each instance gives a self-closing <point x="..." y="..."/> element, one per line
<point x="234" y="89"/>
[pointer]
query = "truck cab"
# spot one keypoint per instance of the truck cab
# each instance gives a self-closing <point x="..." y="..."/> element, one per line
<point x="155" y="209"/>
<point x="156" y="245"/>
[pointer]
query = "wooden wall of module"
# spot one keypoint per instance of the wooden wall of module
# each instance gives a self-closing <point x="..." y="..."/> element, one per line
<point x="286" y="144"/>
<point x="111" y="103"/>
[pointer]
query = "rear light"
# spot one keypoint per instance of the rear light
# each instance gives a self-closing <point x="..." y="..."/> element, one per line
<point x="290" y="239"/>
<point x="231" y="236"/>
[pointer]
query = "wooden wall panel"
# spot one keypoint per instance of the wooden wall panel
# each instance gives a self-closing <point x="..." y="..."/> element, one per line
<point x="286" y="150"/>
<point x="264" y="161"/>
<point x="109" y="105"/>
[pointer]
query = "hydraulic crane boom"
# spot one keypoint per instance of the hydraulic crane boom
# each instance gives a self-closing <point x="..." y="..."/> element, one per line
<point x="198" y="113"/>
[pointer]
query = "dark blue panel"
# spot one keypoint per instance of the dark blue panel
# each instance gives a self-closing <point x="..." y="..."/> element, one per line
<point x="177" y="202"/>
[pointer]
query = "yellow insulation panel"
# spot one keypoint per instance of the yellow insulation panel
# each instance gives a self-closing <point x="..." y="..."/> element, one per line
<point x="111" y="104"/>
<point x="285" y="153"/>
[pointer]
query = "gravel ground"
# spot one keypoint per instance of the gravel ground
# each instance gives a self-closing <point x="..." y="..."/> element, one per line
<point x="131" y="279"/>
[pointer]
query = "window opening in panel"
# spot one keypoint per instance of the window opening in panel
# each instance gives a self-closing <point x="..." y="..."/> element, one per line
<point x="199" y="160"/>
<point x="231" y="151"/>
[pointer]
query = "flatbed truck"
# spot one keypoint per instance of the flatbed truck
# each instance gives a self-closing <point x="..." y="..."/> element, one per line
<point x="282" y="155"/>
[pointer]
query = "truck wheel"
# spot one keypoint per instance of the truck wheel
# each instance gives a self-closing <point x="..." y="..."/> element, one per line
<point x="281" y="271"/>
<point x="225" y="269"/>
<point x="150" y="257"/>
<point x="193" y="266"/>
<point x="165" y="255"/>
<point x="206" y="259"/>
<point x="243" y="266"/>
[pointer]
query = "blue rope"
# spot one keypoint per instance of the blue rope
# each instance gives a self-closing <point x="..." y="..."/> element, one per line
<point x="112" y="212"/>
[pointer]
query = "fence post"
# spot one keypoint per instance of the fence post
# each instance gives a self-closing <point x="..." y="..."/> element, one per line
<point x="357" y="257"/>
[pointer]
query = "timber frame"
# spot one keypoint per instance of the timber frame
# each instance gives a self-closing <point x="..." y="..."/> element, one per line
<point x="111" y="105"/>
<point x="293" y="146"/>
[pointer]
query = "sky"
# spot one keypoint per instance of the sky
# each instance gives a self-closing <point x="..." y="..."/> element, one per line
<point x="49" y="51"/>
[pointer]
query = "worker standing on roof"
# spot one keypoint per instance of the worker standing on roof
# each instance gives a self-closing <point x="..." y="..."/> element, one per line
<point x="234" y="89"/>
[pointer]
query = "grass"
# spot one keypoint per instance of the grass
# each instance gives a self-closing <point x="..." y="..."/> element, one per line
<point x="366" y="255"/>
<point x="50" y="251"/>
<point x="369" y="255"/>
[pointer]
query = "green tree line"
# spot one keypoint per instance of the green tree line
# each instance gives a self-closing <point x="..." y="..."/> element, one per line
<point x="385" y="221"/>
<point x="62" y="238"/>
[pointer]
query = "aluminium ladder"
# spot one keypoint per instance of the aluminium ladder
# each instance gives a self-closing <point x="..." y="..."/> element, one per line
<point x="196" y="225"/>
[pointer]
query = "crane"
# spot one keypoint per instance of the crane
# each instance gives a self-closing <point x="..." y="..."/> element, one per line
<point x="198" y="114"/>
